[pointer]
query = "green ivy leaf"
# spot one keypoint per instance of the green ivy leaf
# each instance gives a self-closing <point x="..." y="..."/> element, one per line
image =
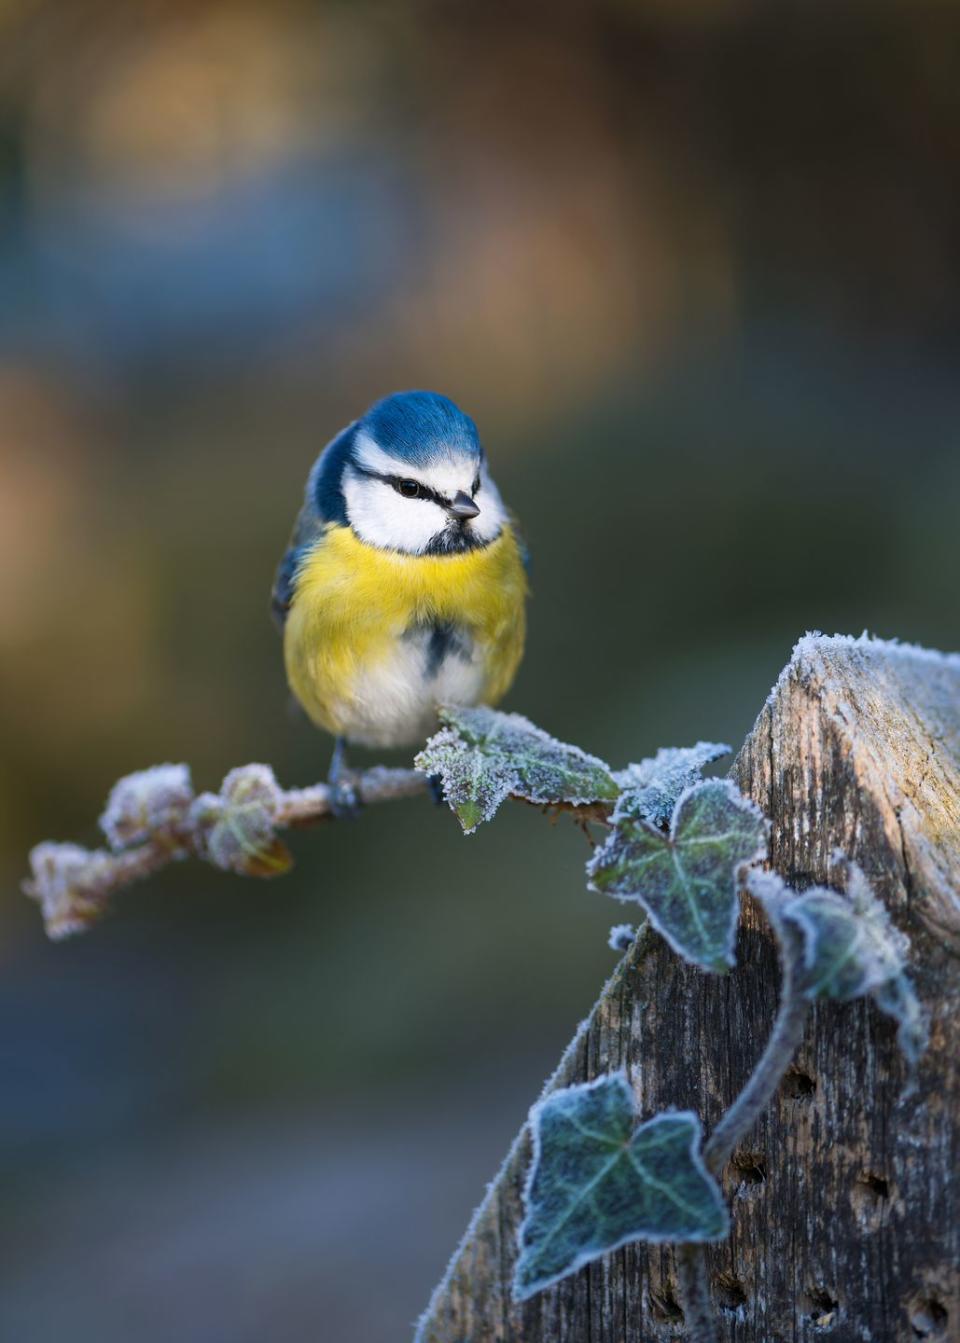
<point x="845" y="954"/>
<point x="897" y="998"/>
<point x="850" y="949"/>
<point x="236" y="827"/>
<point x="686" y="880"/>
<point x="653" y="786"/>
<point x="597" y="1181"/>
<point x="482" y="757"/>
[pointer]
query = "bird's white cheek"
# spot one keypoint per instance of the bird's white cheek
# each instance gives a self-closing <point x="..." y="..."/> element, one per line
<point x="489" y="521"/>
<point x="383" y="518"/>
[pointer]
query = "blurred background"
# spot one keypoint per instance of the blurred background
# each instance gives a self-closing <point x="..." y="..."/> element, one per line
<point x="694" y="267"/>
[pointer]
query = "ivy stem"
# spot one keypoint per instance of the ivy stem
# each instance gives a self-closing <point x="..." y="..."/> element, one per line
<point x="693" y="1285"/>
<point x="784" y="1041"/>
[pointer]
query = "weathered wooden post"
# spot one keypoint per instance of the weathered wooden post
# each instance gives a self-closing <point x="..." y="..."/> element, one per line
<point x="846" y="1198"/>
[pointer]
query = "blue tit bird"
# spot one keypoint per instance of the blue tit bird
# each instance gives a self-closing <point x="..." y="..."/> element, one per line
<point x="404" y="583"/>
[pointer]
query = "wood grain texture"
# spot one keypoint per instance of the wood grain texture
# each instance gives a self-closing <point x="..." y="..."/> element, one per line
<point x="846" y="1199"/>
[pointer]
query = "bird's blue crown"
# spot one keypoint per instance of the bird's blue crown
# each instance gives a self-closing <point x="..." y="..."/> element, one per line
<point x="421" y="427"/>
<point x="418" y="428"/>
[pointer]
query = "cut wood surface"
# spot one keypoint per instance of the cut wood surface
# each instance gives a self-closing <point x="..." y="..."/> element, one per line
<point x="846" y="1199"/>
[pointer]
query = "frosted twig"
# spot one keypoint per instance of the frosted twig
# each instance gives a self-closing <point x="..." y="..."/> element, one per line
<point x="306" y="806"/>
<point x="153" y="818"/>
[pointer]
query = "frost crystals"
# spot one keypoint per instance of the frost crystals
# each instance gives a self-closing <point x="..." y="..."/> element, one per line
<point x="655" y="784"/>
<point x="596" y="1182"/>
<point x="146" y="823"/>
<point x="150" y="804"/>
<point x="850" y="949"/>
<point x="235" y="829"/>
<point x="686" y="880"/>
<point x="482" y="757"/>
<point x="66" y="880"/>
<point x="622" y="936"/>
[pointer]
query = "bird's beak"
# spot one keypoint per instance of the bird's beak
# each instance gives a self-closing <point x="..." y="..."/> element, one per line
<point x="462" y="507"/>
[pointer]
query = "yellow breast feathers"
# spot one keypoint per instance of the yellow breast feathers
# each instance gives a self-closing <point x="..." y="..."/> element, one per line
<point x="356" y="640"/>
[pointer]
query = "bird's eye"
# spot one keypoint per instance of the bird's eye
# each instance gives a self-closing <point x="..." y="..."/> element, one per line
<point x="476" y="485"/>
<point x="410" y="489"/>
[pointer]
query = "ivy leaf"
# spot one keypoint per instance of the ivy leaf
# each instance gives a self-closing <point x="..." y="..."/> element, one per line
<point x="235" y="828"/>
<point x="897" y="998"/>
<point x="686" y="880"/>
<point x="850" y="950"/>
<point x="482" y="757"/>
<point x="655" y="784"/>
<point x="845" y="954"/>
<point x="597" y="1181"/>
<point x="850" y="947"/>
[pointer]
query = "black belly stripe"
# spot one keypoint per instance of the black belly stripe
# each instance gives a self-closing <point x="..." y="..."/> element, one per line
<point x="443" y="640"/>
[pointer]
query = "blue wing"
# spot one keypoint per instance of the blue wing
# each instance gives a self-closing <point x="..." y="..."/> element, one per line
<point x="525" y="558"/>
<point x="323" y="504"/>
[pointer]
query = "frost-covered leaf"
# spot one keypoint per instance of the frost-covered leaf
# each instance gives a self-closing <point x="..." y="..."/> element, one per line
<point x="151" y="804"/>
<point x="850" y="949"/>
<point x="598" y="1181"/>
<point x="235" y="829"/>
<point x="844" y="956"/>
<point x="652" y="787"/>
<point x="64" y="881"/>
<point x="482" y="757"/>
<point x="897" y="998"/>
<point x="686" y="880"/>
<point x="849" y="943"/>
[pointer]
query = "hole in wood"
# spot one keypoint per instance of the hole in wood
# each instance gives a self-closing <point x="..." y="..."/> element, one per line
<point x="751" y="1167"/>
<point x="869" y="1197"/>
<point x="797" y="1084"/>
<point x="664" y="1306"/>
<point x="929" y="1318"/>
<point x="731" y="1294"/>
<point x="873" y="1186"/>
<point x="820" y="1306"/>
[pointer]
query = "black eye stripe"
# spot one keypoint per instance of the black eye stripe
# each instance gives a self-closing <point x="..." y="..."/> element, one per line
<point x="420" y="491"/>
<point x="397" y="482"/>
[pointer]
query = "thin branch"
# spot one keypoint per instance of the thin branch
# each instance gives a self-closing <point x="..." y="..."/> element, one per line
<point x="153" y="818"/>
<point x="307" y="806"/>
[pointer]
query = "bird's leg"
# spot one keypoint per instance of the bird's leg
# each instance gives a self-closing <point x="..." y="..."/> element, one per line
<point x="345" y="805"/>
<point x="337" y="761"/>
<point x="435" y="784"/>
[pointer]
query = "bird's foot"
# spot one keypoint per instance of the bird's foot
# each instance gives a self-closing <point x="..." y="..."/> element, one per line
<point x="435" y="784"/>
<point x="345" y="803"/>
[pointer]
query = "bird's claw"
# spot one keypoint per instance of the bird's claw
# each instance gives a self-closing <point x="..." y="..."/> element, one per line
<point x="345" y="803"/>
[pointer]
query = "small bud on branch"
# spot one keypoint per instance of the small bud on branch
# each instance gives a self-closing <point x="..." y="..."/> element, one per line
<point x="153" y="818"/>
